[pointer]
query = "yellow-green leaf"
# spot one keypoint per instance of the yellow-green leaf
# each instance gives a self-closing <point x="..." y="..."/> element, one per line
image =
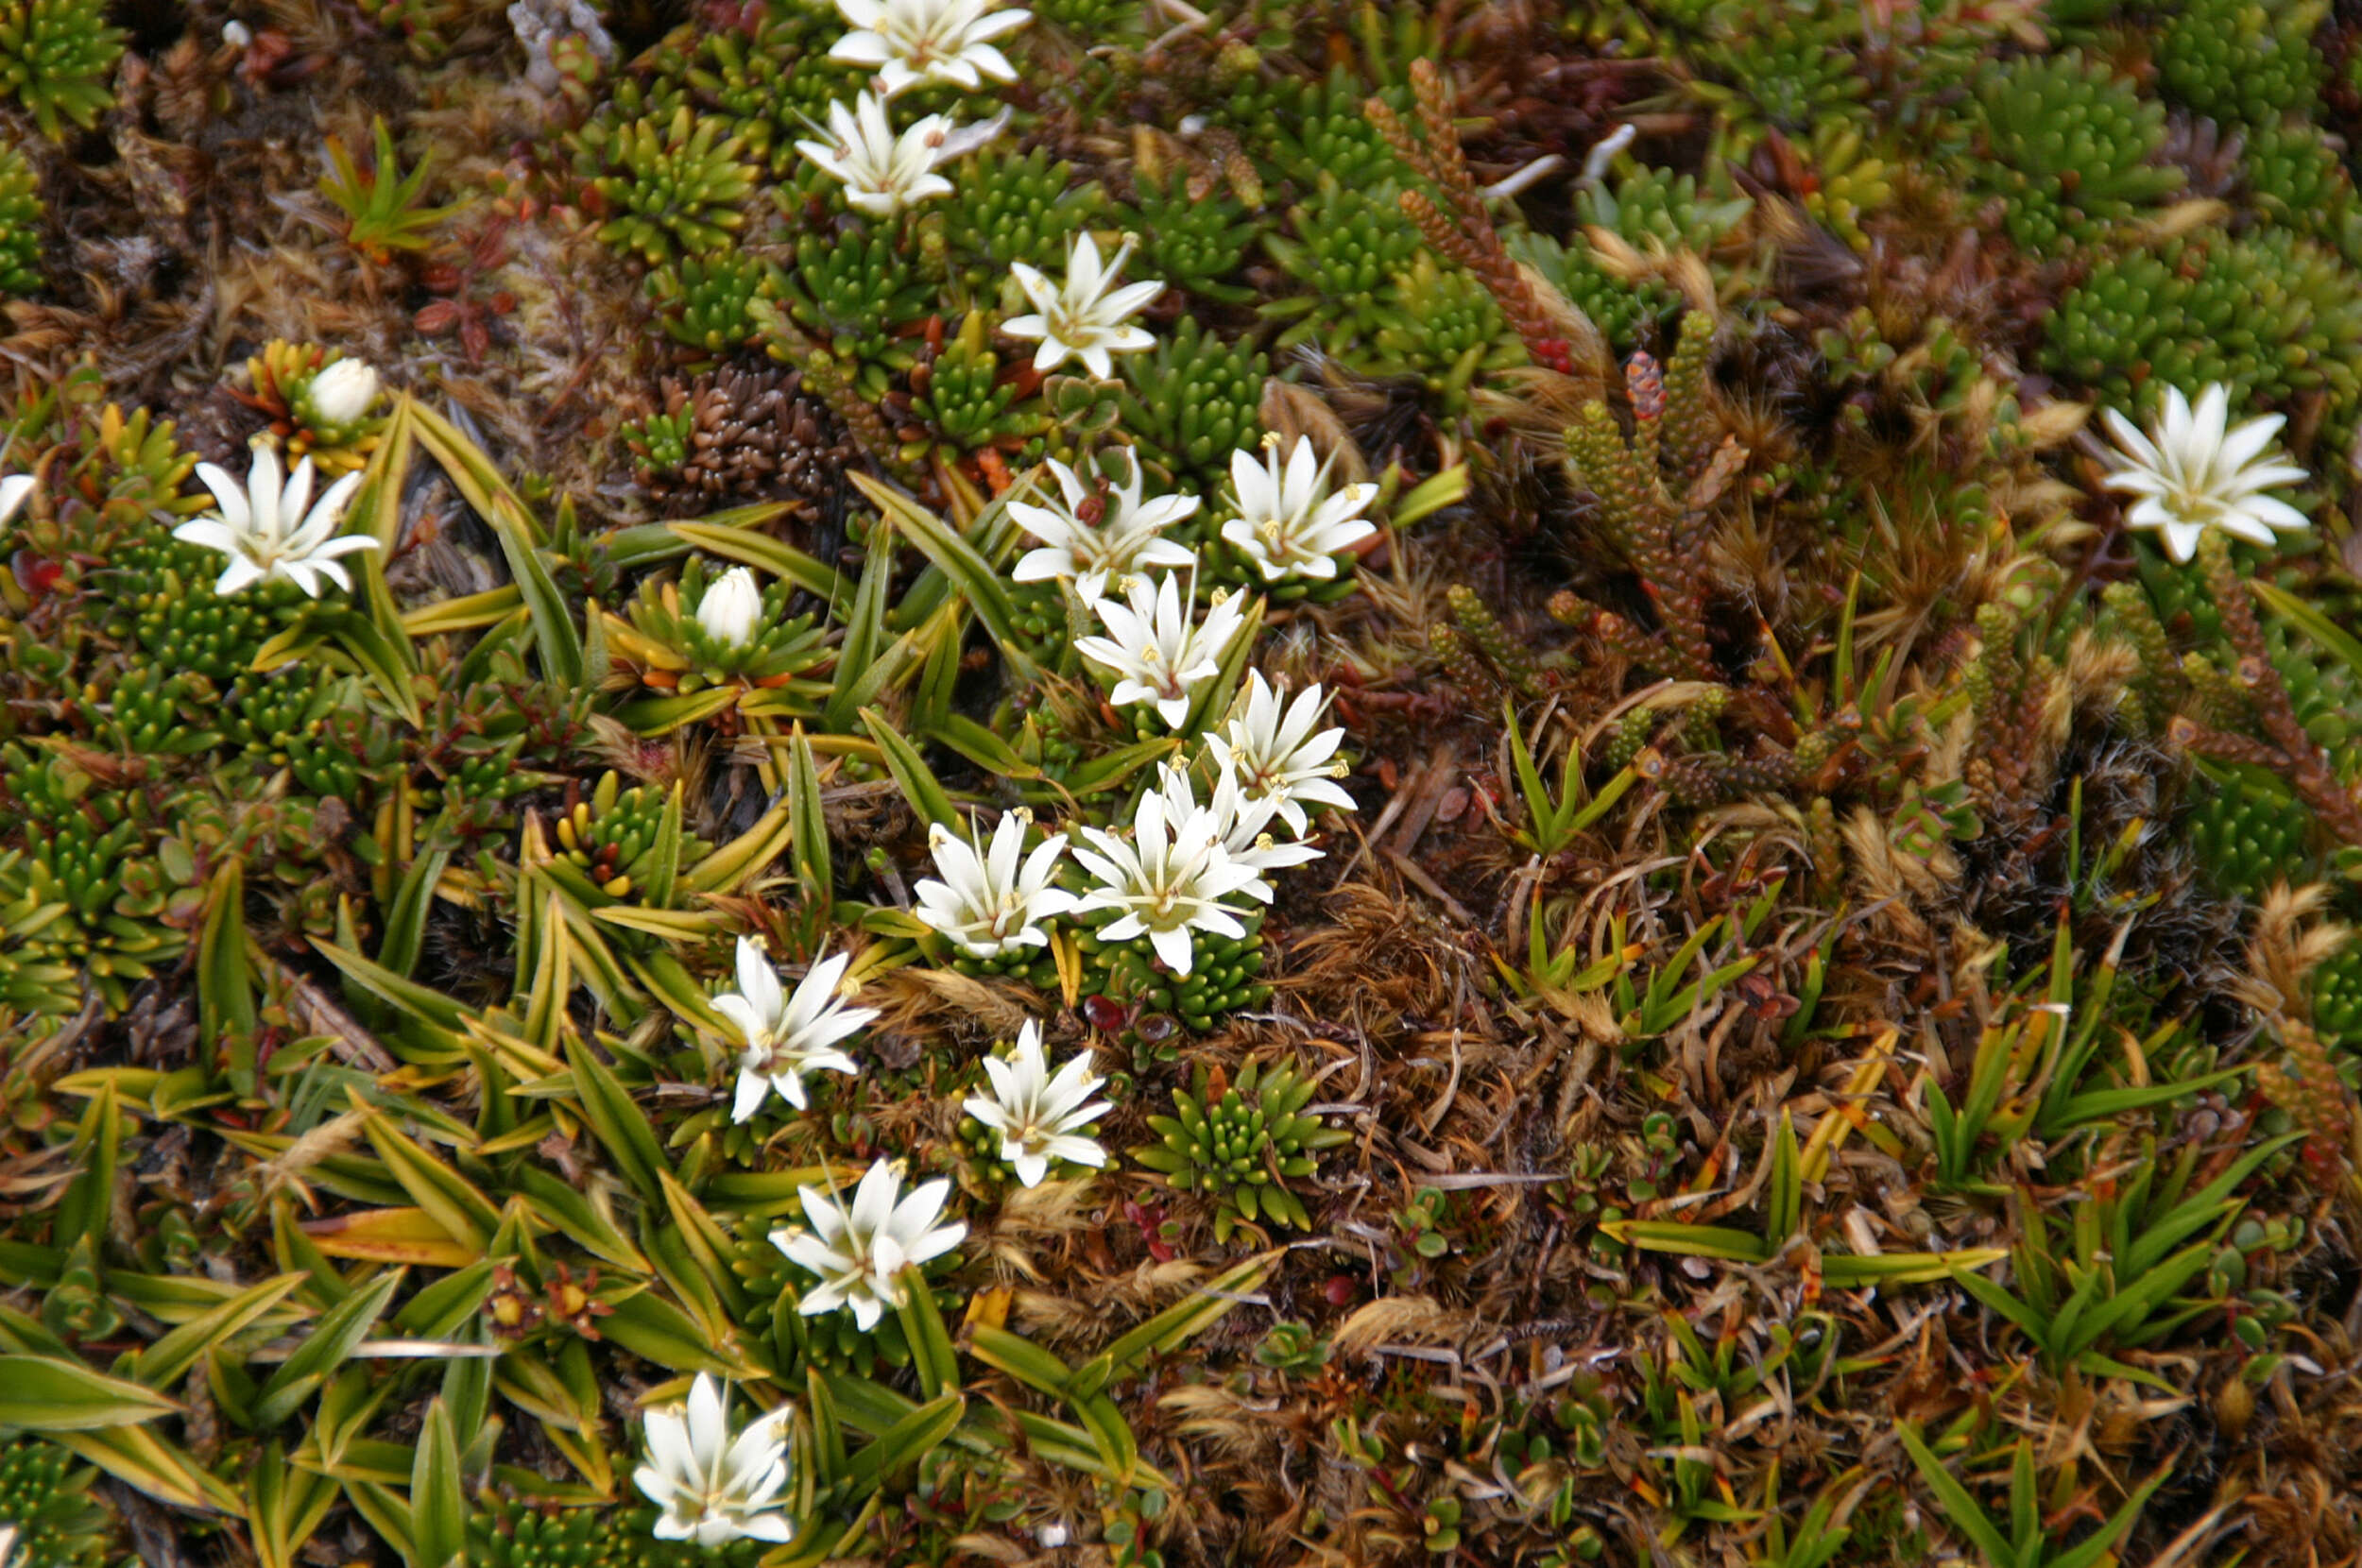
<point x="42" y="1393"/>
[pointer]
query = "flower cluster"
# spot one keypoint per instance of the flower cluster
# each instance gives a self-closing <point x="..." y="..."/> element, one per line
<point x="1288" y="524"/>
<point x="1183" y="862"/>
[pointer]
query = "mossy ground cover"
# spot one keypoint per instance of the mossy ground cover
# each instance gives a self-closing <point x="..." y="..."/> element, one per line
<point x="1280" y="781"/>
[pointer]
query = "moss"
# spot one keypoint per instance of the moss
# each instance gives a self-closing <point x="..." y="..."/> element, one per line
<point x="669" y="186"/>
<point x="21" y="219"/>
<point x="2067" y="145"/>
<point x="56" y="56"/>
<point x="1759" y="683"/>
<point x="2251" y="60"/>
<point x="2271" y="316"/>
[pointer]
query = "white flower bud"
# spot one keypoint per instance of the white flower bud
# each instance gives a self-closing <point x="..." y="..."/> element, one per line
<point x="344" y="392"/>
<point x="731" y="608"/>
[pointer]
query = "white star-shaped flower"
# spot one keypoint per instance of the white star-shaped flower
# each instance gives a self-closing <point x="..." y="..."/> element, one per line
<point x="263" y="529"/>
<point x="1124" y="536"/>
<point x="2191" y="473"/>
<point x="1286" y="524"/>
<point x="882" y="173"/>
<point x="910" y="41"/>
<point x="1242" y="825"/>
<point x="986" y="902"/>
<point x="1275" y="754"/>
<point x="1155" y="649"/>
<point x="1040" y="1118"/>
<point x="1087" y="319"/>
<point x="1170" y="879"/>
<point x="787" y="1037"/>
<point x="715" y="1488"/>
<point x="859" y="1251"/>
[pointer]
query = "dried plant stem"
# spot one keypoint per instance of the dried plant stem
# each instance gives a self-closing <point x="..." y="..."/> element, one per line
<point x="1466" y="233"/>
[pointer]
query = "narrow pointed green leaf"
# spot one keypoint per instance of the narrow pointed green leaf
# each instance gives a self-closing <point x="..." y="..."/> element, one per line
<point x="165" y="1362"/>
<point x="438" y="1501"/>
<point x="620" y="1123"/>
<point x="331" y="1343"/>
<point x="765" y="553"/>
<point x="42" y="1393"/>
<point x="905" y="1442"/>
<point x="931" y="1355"/>
<point x="814" y="865"/>
<point x="919" y="786"/>
<point x="1169" y="1329"/>
<point x="406" y="919"/>
<point x="225" y="984"/>
<point x="1112" y="770"/>
<point x="981" y="746"/>
<point x="386" y="661"/>
<point x="511" y="521"/>
<point x="88" y="1206"/>
<point x="1111" y="1435"/>
<point x="1958" y="1506"/>
<point x="1020" y="1358"/>
<point x="969" y="573"/>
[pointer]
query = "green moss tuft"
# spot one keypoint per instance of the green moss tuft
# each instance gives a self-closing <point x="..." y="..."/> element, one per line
<point x="56" y="56"/>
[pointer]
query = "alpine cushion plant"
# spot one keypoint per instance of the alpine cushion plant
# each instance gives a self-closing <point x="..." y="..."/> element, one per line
<point x="2194" y="472"/>
<point x="263" y="528"/>
<point x="858" y="1251"/>
<point x="408" y="1146"/>
<point x="786" y="1037"/>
